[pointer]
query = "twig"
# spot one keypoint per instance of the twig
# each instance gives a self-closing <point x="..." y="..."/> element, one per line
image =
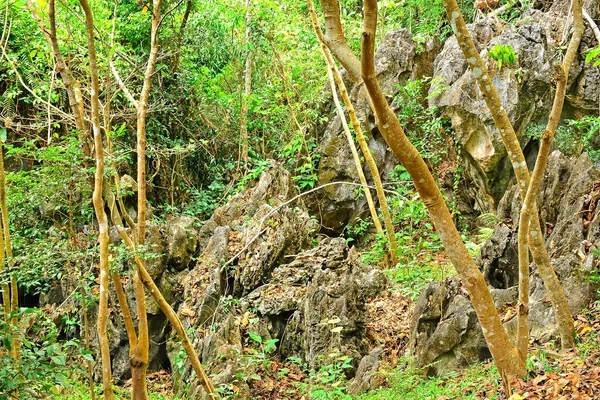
<point x="592" y="25"/>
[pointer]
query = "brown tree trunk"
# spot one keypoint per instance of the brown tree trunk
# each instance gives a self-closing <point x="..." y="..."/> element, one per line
<point x="385" y="210"/>
<point x="160" y="300"/>
<point x="529" y="203"/>
<point x="98" y="201"/>
<point x="505" y="355"/>
<point x="180" y="36"/>
<point x="7" y="247"/>
<point x="247" y="87"/>
<point x="355" y="156"/>
<point x="139" y="359"/>
<point x="509" y="138"/>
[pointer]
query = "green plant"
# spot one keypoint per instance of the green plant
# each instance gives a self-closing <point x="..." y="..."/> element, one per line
<point x="328" y="382"/>
<point x="45" y="362"/>
<point x="593" y="55"/>
<point x="504" y="55"/>
<point x="574" y="136"/>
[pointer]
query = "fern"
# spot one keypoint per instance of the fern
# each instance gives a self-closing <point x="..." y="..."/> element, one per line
<point x="487" y="220"/>
<point x="484" y="234"/>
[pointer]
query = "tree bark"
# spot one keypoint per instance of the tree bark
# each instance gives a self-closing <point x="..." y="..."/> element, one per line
<point x="505" y="355"/>
<point x="385" y="210"/>
<point x="529" y="203"/>
<point x="355" y="156"/>
<point x="336" y="41"/>
<point x="98" y="201"/>
<point x="139" y="359"/>
<point x="180" y="36"/>
<point x="509" y="138"/>
<point x="7" y="247"/>
<point x="160" y="300"/>
<point x="247" y="87"/>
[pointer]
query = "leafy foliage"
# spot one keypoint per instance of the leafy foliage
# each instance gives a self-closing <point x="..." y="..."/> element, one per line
<point x="504" y="55"/>
<point x="593" y="56"/>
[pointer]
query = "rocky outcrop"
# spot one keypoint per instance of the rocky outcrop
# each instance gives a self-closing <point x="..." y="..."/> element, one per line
<point x="254" y="276"/>
<point x="445" y="331"/>
<point x="526" y="92"/>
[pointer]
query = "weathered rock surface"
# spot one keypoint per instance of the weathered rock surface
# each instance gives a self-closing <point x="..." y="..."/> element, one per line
<point x="272" y="288"/>
<point x="445" y="331"/>
<point x="525" y="90"/>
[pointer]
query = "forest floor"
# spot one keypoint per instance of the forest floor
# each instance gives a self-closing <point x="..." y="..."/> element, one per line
<point x="552" y="375"/>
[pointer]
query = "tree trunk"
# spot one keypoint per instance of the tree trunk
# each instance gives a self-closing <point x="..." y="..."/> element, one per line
<point x="7" y="247"/>
<point x="355" y="156"/>
<point x="160" y="300"/>
<point x="509" y="138"/>
<point x="529" y="203"/>
<point x="247" y="87"/>
<point x="139" y="360"/>
<point x="385" y="210"/>
<point x="98" y="201"/>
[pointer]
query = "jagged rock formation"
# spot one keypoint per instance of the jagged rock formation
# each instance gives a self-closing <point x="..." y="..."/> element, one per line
<point x="525" y="89"/>
<point x="271" y="287"/>
<point x="445" y="331"/>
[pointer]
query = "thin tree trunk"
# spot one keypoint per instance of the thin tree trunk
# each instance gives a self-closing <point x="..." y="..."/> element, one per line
<point x="181" y="34"/>
<point x="139" y="360"/>
<point x="385" y="210"/>
<point x="505" y="354"/>
<point x="160" y="300"/>
<point x="509" y="138"/>
<point x="98" y="201"/>
<point x="247" y="87"/>
<point x="14" y="290"/>
<point x="86" y="335"/>
<point x="336" y="41"/>
<point x="529" y="203"/>
<point x="5" y="278"/>
<point x="355" y="156"/>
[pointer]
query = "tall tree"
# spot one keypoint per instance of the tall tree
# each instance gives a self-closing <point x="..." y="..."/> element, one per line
<point x="247" y="86"/>
<point x="529" y="202"/>
<point x="505" y="354"/>
<point x="98" y="201"/>
<point x="337" y="80"/>
<point x="507" y="133"/>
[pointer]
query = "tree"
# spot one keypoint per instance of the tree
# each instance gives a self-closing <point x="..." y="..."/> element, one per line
<point x="336" y="80"/>
<point x="530" y="226"/>
<point x="505" y="354"/>
<point x="247" y="86"/>
<point x="102" y="189"/>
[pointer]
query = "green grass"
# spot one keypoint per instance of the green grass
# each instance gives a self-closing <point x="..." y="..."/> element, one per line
<point x="479" y="381"/>
<point x="413" y="278"/>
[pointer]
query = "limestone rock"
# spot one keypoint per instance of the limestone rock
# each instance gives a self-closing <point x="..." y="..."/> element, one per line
<point x="182" y="240"/>
<point x="445" y="331"/>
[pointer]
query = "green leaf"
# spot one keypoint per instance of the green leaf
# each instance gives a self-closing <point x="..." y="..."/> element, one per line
<point x="337" y="329"/>
<point x="59" y="360"/>
<point x="255" y="337"/>
<point x="3" y="134"/>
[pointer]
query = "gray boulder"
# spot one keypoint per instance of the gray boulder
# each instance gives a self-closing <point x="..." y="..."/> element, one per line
<point x="445" y="333"/>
